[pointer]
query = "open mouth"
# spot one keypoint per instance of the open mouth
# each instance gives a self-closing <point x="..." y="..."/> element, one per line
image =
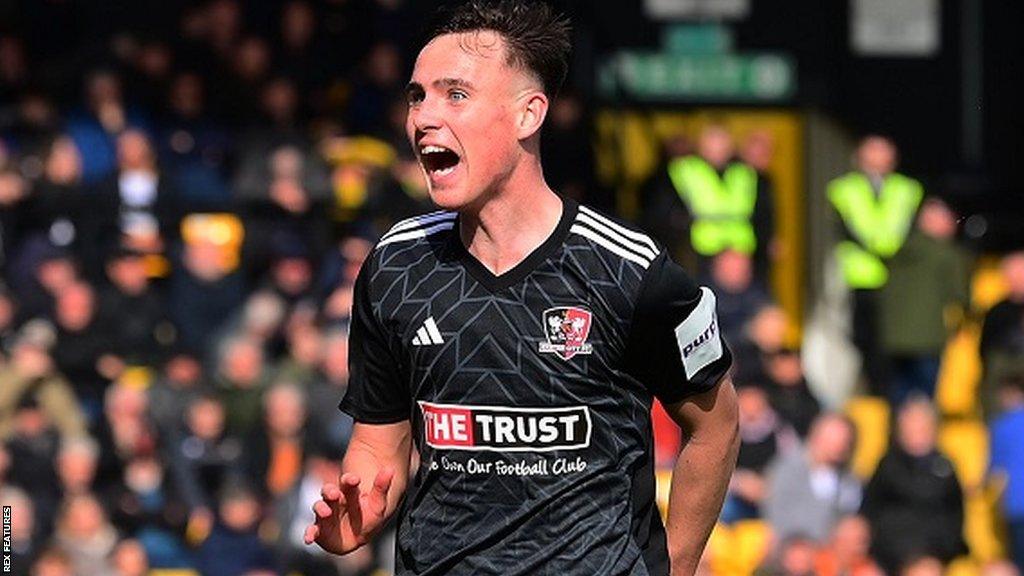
<point x="438" y="160"/>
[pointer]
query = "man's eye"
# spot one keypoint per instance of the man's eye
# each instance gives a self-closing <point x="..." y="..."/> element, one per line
<point x="458" y="95"/>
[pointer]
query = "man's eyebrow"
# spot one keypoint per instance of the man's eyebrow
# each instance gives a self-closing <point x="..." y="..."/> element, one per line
<point x="413" y="87"/>
<point x="453" y="83"/>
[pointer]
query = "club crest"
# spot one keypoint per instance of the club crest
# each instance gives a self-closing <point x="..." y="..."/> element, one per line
<point x="566" y="329"/>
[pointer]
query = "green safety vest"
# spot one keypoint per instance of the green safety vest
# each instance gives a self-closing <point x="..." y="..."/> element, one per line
<point x="878" y="224"/>
<point x="721" y="206"/>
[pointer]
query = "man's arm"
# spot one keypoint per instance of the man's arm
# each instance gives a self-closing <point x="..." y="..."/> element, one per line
<point x="710" y="425"/>
<point x="375" y="472"/>
<point x="374" y="447"/>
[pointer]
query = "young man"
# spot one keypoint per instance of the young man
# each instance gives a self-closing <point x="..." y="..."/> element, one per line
<point x="518" y="340"/>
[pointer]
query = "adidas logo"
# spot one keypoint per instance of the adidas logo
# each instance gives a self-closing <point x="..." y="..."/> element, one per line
<point x="428" y="334"/>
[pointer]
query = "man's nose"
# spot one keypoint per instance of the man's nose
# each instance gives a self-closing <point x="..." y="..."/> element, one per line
<point x="425" y="116"/>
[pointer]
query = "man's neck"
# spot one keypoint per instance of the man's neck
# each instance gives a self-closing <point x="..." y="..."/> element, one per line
<point x="513" y="222"/>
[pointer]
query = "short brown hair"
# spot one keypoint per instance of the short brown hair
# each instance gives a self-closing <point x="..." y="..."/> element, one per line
<point x="538" y="38"/>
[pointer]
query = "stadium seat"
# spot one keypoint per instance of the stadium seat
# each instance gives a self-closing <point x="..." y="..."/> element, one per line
<point x="963" y="566"/>
<point x="752" y="540"/>
<point x="871" y="417"/>
<point x="960" y="374"/>
<point x="965" y="442"/>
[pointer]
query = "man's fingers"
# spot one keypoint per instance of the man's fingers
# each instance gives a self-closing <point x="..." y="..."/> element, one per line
<point x="312" y="531"/>
<point x="382" y="483"/>
<point x="322" y="509"/>
<point x="330" y="492"/>
<point x="350" y="494"/>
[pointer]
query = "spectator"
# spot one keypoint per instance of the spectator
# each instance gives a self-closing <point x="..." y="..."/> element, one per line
<point x="205" y="457"/>
<point x="571" y="170"/>
<point x="763" y="437"/>
<point x="332" y="426"/>
<point x="31" y="376"/>
<point x="789" y="392"/>
<point x="914" y="501"/>
<point x="922" y="566"/>
<point x="85" y="535"/>
<point x="13" y="192"/>
<point x="380" y="82"/>
<point x="53" y="562"/>
<point x="911" y="322"/>
<point x="763" y="336"/>
<point x="82" y="351"/>
<point x="140" y="206"/>
<point x="809" y="490"/>
<point x="129" y="559"/>
<point x="194" y="146"/>
<point x="848" y="551"/>
<point x="54" y="209"/>
<point x="1007" y="461"/>
<point x="205" y="290"/>
<point x="739" y="297"/>
<point x="41" y="272"/>
<point x="241" y="380"/>
<point x="147" y="506"/>
<point x="77" y="467"/>
<point x="795" y="557"/>
<point x="125" y="431"/>
<point x="276" y="450"/>
<point x="132" y="305"/>
<point x="25" y="537"/>
<point x="181" y="381"/>
<point x="999" y="568"/>
<point x="302" y="362"/>
<point x="234" y="548"/>
<point x="33" y="446"/>
<point x="95" y="127"/>
<point x="1002" y="337"/>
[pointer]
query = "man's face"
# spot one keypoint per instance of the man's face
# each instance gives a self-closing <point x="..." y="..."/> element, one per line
<point x="463" y="112"/>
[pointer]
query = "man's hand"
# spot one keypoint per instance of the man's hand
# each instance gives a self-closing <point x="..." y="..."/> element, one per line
<point x="345" y="518"/>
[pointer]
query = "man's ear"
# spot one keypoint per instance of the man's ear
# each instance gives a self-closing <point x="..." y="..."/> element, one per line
<point x="533" y="109"/>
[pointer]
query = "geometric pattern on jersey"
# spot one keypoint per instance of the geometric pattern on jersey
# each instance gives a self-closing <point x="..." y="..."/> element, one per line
<point x="457" y="351"/>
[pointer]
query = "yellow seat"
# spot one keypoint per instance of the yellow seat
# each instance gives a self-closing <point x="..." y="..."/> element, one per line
<point x="956" y="391"/>
<point x="965" y="442"/>
<point x="752" y="540"/>
<point x="720" y="549"/>
<point x="173" y="572"/>
<point x="871" y="417"/>
<point x="963" y="566"/>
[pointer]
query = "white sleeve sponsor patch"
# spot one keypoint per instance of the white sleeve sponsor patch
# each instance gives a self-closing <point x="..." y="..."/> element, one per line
<point x="697" y="336"/>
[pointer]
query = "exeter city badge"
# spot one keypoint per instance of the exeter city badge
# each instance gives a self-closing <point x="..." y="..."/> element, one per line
<point x="566" y="329"/>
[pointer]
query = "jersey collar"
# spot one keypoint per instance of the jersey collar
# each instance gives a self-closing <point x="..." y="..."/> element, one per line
<point x="520" y="271"/>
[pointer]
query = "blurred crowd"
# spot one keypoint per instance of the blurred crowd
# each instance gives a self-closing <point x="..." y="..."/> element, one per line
<point x="183" y="212"/>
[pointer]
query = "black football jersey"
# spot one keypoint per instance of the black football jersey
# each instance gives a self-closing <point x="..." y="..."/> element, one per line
<point x="529" y="393"/>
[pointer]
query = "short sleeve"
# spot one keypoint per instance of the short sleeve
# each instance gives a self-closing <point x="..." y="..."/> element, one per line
<point x="675" y="347"/>
<point x="376" y="393"/>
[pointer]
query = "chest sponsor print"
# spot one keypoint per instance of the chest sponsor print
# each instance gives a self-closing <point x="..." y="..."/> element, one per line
<point x="505" y="429"/>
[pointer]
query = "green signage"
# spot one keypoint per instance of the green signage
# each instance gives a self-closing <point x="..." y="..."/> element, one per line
<point x="749" y="77"/>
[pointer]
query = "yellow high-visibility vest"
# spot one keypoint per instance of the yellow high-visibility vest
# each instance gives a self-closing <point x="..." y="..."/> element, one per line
<point x="721" y="206"/>
<point x="879" y="224"/>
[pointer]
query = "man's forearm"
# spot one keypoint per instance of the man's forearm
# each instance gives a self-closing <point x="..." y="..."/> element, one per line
<point x="365" y="458"/>
<point x="699" y="483"/>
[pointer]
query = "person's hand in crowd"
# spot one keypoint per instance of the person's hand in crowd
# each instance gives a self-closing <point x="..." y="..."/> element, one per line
<point x="346" y="518"/>
<point x="110" y="366"/>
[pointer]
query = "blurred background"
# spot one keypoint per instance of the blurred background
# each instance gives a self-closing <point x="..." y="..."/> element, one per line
<point x="188" y="189"/>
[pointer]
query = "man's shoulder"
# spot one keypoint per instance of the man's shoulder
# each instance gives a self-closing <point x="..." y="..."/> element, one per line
<point x="415" y="234"/>
<point x="613" y="239"/>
